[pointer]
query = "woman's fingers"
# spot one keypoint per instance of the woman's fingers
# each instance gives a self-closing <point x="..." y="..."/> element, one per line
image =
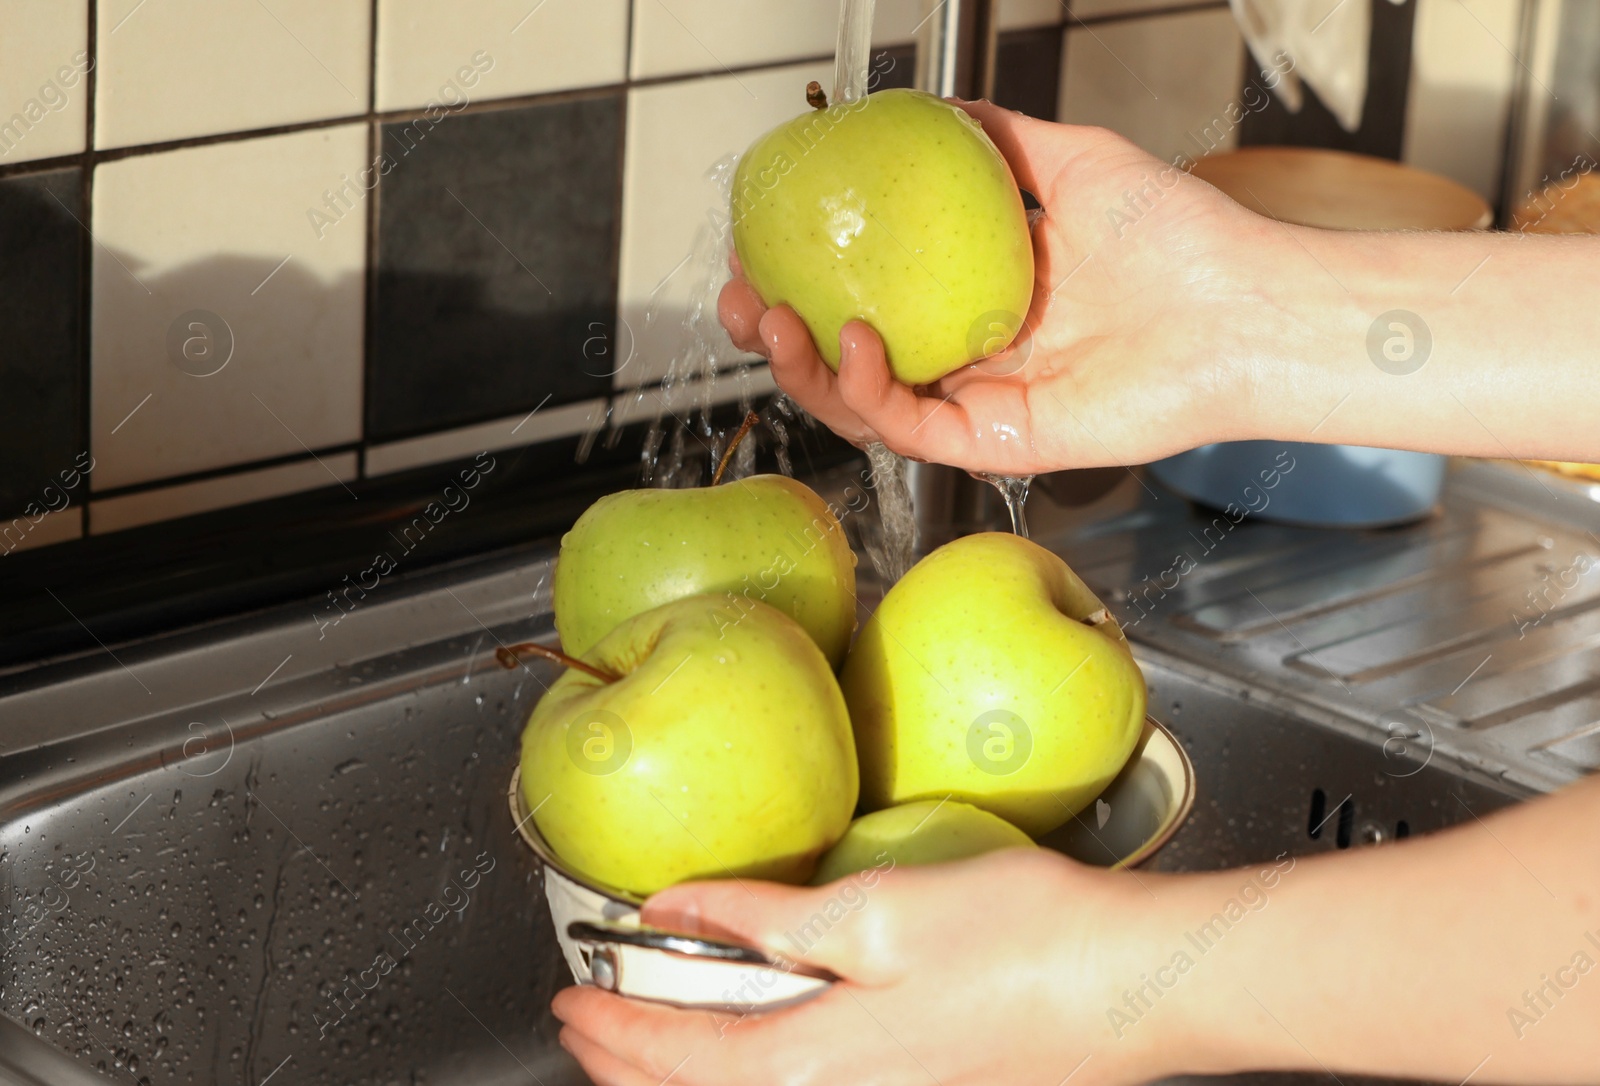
<point x="863" y="402"/>
<point x="788" y="922"/>
<point x="653" y="1039"/>
<point x="601" y="1065"/>
<point x="739" y="309"/>
<point x="925" y="427"/>
<point x="800" y="372"/>
<point x="819" y="1040"/>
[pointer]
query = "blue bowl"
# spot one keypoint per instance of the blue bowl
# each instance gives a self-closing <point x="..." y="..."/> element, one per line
<point x="1346" y="486"/>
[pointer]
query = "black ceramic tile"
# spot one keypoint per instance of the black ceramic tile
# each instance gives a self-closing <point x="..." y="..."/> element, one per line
<point x="1383" y="119"/>
<point x="41" y="322"/>
<point x="1027" y="71"/>
<point x="497" y="241"/>
<point x="895" y="67"/>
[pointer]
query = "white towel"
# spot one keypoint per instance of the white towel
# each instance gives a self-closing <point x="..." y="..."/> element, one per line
<point x="1325" y="42"/>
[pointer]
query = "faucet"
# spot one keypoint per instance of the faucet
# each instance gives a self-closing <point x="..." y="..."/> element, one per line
<point x="955" y="57"/>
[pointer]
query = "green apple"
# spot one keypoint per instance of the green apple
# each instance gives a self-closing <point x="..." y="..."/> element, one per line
<point x="716" y="753"/>
<point x="992" y="674"/>
<point x="927" y="831"/>
<point x="897" y="210"/>
<point x="764" y="539"/>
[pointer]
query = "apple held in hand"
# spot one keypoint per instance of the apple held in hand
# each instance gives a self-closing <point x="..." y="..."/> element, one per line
<point x="928" y="831"/>
<point x="766" y="538"/>
<point x="992" y="674"/>
<point x="713" y="754"/>
<point x="897" y="210"/>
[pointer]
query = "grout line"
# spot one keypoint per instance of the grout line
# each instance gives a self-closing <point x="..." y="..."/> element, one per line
<point x="307" y="448"/>
<point x="369" y="293"/>
<point x="95" y="156"/>
<point x="627" y="42"/>
<point x="208" y="474"/>
<point x="74" y="160"/>
<point x="1111" y="17"/>
<point x="618" y="202"/>
<point x="134" y="150"/>
<point x="488" y="105"/>
<point x="86" y="242"/>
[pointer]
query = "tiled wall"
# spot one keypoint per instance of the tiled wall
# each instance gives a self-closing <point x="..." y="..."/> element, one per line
<point x="251" y="248"/>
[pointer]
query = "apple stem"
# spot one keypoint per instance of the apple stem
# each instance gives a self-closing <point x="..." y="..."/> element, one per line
<point x="507" y="655"/>
<point x="750" y="419"/>
<point x="1099" y="618"/>
<point x="816" y="98"/>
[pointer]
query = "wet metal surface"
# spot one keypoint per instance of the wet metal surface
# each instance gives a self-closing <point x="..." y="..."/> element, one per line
<point x="1473" y="636"/>
<point x="212" y="877"/>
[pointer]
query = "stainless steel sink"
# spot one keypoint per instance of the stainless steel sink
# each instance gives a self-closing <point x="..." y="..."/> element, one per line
<point x="274" y="850"/>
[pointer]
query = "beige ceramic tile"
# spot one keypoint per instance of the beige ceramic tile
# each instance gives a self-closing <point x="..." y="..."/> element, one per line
<point x="207" y="260"/>
<point x="1019" y="14"/>
<point x="676" y="133"/>
<point x="1089" y="9"/>
<point x="1165" y="82"/>
<point x="642" y="405"/>
<point x="1460" y="94"/>
<point x="671" y="37"/>
<point x="25" y="532"/>
<point x="187" y="499"/>
<point x="44" y="62"/>
<point x="511" y="432"/>
<point x="169" y="69"/>
<point x="429" y="51"/>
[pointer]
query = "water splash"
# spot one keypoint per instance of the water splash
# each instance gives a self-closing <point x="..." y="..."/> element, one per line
<point x="891" y="543"/>
<point x="682" y="445"/>
<point x="688" y="390"/>
<point x="782" y="413"/>
<point x="1014" y="489"/>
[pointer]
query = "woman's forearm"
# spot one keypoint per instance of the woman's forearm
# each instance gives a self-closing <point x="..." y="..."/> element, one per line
<point x="1474" y="344"/>
<point x="1471" y="952"/>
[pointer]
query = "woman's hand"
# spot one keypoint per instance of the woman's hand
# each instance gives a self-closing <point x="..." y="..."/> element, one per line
<point x="997" y="969"/>
<point x="1024" y="968"/>
<point x="1145" y="318"/>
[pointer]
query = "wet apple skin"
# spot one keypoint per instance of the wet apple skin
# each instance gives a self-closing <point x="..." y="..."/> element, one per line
<point x="897" y="210"/>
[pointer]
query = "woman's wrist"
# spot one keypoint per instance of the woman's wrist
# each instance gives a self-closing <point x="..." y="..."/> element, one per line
<point x="1185" y="1006"/>
<point x="1300" y="333"/>
<point x="1257" y="334"/>
<point x="1136" y="993"/>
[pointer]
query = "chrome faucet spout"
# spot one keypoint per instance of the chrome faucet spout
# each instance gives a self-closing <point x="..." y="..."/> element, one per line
<point x="955" y="58"/>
